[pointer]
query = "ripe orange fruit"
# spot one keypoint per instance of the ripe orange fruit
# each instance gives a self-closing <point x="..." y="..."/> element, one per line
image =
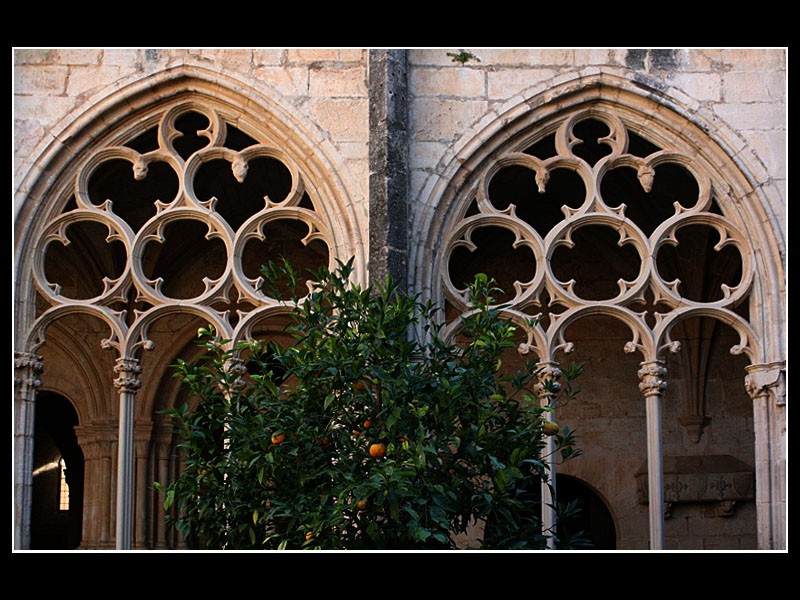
<point x="309" y="535"/>
<point x="550" y="428"/>
<point x="361" y="504"/>
<point x="367" y="424"/>
<point x="278" y="438"/>
<point x="377" y="450"/>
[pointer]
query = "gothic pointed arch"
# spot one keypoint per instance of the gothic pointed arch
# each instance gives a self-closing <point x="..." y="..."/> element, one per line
<point x="588" y="153"/>
<point x="634" y="231"/>
<point x="148" y="216"/>
<point x="142" y="134"/>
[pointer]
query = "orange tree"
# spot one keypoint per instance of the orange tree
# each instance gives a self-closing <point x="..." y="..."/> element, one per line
<point x="359" y="435"/>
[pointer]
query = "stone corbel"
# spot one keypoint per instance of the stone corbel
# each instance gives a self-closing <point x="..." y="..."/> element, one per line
<point x="760" y="379"/>
<point x="725" y="508"/>
<point x="694" y="425"/>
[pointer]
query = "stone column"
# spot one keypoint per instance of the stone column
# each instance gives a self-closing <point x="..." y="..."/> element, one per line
<point x="546" y="389"/>
<point x="765" y="385"/>
<point x="143" y="484"/>
<point x="165" y="470"/>
<point x="98" y="442"/>
<point x="27" y="367"/>
<point x="388" y="167"/>
<point x="127" y="382"/>
<point x="652" y="384"/>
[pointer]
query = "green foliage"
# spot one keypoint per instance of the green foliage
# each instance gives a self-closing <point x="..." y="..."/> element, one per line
<point x="276" y="451"/>
<point x="462" y="56"/>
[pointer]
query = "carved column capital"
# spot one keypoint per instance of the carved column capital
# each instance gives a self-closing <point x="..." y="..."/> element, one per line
<point x="127" y="370"/>
<point x="28" y="367"/>
<point x="763" y="378"/>
<point x="237" y="368"/>
<point x="652" y="380"/>
<point x="547" y="386"/>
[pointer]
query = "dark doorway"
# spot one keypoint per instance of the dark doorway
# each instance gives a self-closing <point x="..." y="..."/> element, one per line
<point x="593" y="518"/>
<point x="57" y="507"/>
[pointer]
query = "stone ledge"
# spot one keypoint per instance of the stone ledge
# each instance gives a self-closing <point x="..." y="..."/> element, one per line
<point x="719" y="478"/>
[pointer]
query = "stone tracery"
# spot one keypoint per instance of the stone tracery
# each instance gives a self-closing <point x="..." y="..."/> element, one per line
<point x="597" y="215"/>
<point x="160" y="229"/>
<point x="741" y="186"/>
<point x="649" y="269"/>
<point x="185" y="235"/>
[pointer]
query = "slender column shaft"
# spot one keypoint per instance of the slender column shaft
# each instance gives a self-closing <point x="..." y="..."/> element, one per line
<point x="26" y="381"/>
<point x="652" y="385"/>
<point x="547" y="388"/>
<point x="128" y="384"/>
<point x="765" y="385"/>
<point x="142" y="486"/>
<point x="162" y="474"/>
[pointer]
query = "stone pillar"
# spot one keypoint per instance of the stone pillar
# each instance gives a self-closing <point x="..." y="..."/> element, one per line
<point x="388" y="166"/>
<point x="127" y="382"/>
<point x="165" y="469"/>
<point x="143" y="485"/>
<point x="765" y="385"/>
<point x="652" y="385"/>
<point x="98" y="442"/>
<point x="546" y="389"/>
<point x="27" y="367"/>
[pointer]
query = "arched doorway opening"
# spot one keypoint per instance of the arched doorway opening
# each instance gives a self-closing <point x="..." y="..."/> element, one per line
<point x="593" y="519"/>
<point x="57" y="510"/>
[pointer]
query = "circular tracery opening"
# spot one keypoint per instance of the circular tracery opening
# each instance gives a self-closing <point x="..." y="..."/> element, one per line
<point x="596" y="262"/>
<point x="184" y="259"/>
<point x="236" y="202"/>
<point x="80" y="267"/>
<point x="283" y="239"/>
<point x="589" y="144"/>
<point x="542" y="210"/>
<point x="672" y="184"/>
<point x="134" y="201"/>
<point x="494" y="256"/>
<point x="189" y="142"/>
<point x="700" y="267"/>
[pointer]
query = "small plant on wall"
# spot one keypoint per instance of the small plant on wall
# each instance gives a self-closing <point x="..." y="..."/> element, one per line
<point x="358" y="435"/>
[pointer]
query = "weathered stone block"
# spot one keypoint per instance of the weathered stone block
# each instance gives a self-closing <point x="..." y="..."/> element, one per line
<point x="338" y="82"/>
<point x="456" y="82"/>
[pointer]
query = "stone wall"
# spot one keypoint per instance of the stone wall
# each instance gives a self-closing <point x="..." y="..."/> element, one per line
<point x="737" y="95"/>
<point x="325" y="90"/>
<point x="742" y="89"/>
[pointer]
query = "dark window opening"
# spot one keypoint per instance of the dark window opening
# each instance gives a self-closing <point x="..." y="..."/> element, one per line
<point x="57" y="506"/>
<point x="593" y="519"/>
